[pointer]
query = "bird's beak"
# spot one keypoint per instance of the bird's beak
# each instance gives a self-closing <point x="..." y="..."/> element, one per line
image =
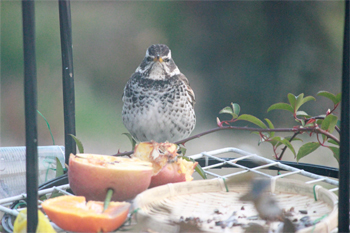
<point x="158" y="58"/>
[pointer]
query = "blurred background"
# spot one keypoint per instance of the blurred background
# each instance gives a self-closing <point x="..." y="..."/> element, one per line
<point x="252" y="53"/>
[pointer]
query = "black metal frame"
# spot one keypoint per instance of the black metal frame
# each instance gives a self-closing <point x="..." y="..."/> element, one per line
<point x="69" y="109"/>
<point x="344" y="172"/>
<point x="30" y="94"/>
<point x="67" y="77"/>
<point x="31" y="98"/>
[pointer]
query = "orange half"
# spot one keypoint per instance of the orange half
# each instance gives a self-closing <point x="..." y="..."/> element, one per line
<point x="73" y="213"/>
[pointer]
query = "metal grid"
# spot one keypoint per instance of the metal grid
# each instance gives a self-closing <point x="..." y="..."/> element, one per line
<point x="261" y="164"/>
<point x="262" y="167"/>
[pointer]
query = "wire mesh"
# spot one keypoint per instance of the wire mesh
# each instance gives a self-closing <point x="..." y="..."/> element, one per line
<point x="261" y="164"/>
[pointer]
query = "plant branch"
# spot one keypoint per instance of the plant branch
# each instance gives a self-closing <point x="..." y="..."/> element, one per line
<point x="285" y="147"/>
<point x="128" y="153"/>
<point x="335" y="107"/>
<point x="322" y="118"/>
<point x="245" y="128"/>
<point x="306" y="129"/>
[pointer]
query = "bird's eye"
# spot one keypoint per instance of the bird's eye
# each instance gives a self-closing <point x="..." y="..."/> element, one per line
<point x="149" y="59"/>
<point x="166" y="59"/>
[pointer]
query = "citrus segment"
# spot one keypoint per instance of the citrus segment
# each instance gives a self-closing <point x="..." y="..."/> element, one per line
<point x="72" y="213"/>
<point x="20" y="225"/>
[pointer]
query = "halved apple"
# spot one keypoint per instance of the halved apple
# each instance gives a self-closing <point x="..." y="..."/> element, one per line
<point x="168" y="167"/>
<point x="178" y="171"/>
<point x="92" y="175"/>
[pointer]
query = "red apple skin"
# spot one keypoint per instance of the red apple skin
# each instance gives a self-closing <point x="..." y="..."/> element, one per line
<point x="92" y="181"/>
<point x="169" y="174"/>
<point x="179" y="171"/>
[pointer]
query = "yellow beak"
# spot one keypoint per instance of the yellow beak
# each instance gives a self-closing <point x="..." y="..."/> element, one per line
<point x="157" y="58"/>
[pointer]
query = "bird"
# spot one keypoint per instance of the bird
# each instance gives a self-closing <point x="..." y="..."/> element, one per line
<point x="267" y="207"/>
<point x="265" y="204"/>
<point x="158" y="102"/>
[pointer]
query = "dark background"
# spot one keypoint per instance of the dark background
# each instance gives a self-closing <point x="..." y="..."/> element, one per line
<point x="253" y="53"/>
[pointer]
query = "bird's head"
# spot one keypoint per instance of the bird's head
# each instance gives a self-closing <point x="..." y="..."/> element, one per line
<point x="158" y="63"/>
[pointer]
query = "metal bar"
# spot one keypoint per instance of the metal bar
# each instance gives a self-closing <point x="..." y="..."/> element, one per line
<point x="30" y="95"/>
<point x="313" y="168"/>
<point x="67" y="77"/>
<point x="315" y="181"/>
<point x="41" y="192"/>
<point x="221" y="151"/>
<point x="61" y="180"/>
<point x="289" y="174"/>
<point x="333" y="190"/>
<point x="343" y="214"/>
<point x="8" y="210"/>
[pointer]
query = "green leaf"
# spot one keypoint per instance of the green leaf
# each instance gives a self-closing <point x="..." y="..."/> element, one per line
<point x="43" y="197"/>
<point x="55" y="193"/>
<point x="59" y="168"/>
<point x="302" y="113"/>
<point x="335" y="151"/>
<point x="236" y="109"/>
<point x="292" y="100"/>
<point x="306" y="149"/>
<point x="132" y="140"/>
<point x="301" y="100"/>
<point x="333" y="142"/>
<point x="298" y="101"/>
<point x="288" y="138"/>
<point x="319" y="121"/>
<point x="281" y="106"/>
<point x="275" y="141"/>
<point x="294" y="139"/>
<point x="329" y="123"/>
<point x="269" y="123"/>
<point x="181" y="150"/>
<point x="289" y="145"/>
<point x="338" y="123"/>
<point x="227" y="110"/>
<point x="322" y="115"/>
<point x="198" y="168"/>
<point x="48" y="126"/>
<point x="338" y="97"/>
<point x="278" y="141"/>
<point x="332" y="97"/>
<point x="79" y="144"/>
<point x="271" y="126"/>
<point x="200" y="171"/>
<point x="252" y="119"/>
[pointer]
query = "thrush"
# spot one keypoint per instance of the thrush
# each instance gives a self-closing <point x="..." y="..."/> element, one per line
<point x="158" y="99"/>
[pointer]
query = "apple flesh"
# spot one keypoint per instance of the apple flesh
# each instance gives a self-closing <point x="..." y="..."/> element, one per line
<point x="179" y="171"/>
<point x="159" y="154"/>
<point x="92" y="175"/>
<point x="168" y="167"/>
